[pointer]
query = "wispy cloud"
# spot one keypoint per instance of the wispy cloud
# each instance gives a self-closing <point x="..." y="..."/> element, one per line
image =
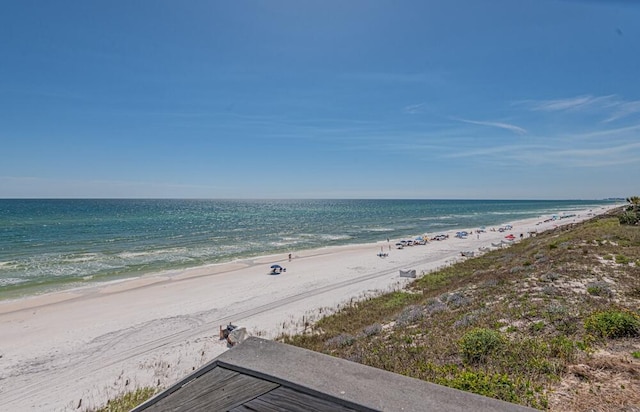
<point x="498" y="151"/>
<point x="624" y="109"/>
<point x="555" y="156"/>
<point x="414" y="108"/>
<point x="611" y="106"/>
<point x="500" y="125"/>
<point x="596" y="156"/>
<point x="610" y="133"/>
<point x="572" y="103"/>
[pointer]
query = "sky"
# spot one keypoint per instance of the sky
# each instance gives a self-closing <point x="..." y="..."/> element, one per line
<point x="455" y="99"/>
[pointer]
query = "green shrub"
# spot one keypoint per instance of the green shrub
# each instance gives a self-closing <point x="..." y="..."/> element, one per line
<point x="563" y="348"/>
<point x="613" y="324"/>
<point x="599" y="289"/>
<point x="495" y="385"/>
<point x="622" y="259"/>
<point x="636" y="354"/>
<point x="398" y="300"/>
<point x="477" y="344"/>
<point x="629" y="218"/>
<point x="537" y="326"/>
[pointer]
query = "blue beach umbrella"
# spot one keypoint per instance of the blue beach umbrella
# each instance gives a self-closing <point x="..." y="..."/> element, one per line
<point x="276" y="267"/>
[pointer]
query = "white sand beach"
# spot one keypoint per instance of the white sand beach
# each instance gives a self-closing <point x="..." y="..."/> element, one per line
<point x="76" y="349"/>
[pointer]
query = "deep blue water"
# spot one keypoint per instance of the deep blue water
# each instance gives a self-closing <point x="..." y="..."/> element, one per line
<point x="53" y="244"/>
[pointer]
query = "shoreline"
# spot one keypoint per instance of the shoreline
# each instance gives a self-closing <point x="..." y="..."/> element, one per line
<point x="94" y="342"/>
<point x="90" y="264"/>
<point x="55" y="295"/>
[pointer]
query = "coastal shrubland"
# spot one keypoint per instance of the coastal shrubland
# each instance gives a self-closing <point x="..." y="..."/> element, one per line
<point x="552" y="322"/>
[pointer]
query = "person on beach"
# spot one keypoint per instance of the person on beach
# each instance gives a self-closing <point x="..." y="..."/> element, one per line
<point x="289" y="257"/>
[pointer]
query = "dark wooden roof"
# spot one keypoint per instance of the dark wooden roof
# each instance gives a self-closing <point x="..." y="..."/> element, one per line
<point x="263" y="376"/>
<point x="222" y="389"/>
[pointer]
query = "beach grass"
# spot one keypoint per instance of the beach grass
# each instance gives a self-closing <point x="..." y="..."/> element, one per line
<point x="128" y="400"/>
<point x="550" y="322"/>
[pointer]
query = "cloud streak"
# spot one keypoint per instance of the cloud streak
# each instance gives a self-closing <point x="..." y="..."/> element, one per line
<point x="572" y="103"/>
<point x="414" y="108"/>
<point x="625" y="109"/>
<point x="506" y="126"/>
<point x="612" y="106"/>
<point x="610" y="133"/>
<point x="555" y="156"/>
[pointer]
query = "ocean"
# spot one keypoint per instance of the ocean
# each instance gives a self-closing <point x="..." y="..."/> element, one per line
<point x="52" y="244"/>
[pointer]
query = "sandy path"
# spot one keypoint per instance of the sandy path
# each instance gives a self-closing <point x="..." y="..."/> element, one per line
<point x="90" y="344"/>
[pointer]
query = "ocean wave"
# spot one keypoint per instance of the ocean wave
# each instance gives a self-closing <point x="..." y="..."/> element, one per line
<point x="291" y="239"/>
<point x="459" y="216"/>
<point x="407" y="227"/>
<point x="379" y="229"/>
<point x="334" y="237"/>
<point x="151" y="253"/>
<point x="11" y="281"/>
<point x="441" y="224"/>
<point x="312" y="238"/>
<point x="87" y="257"/>
<point x="278" y="245"/>
<point x="514" y="213"/>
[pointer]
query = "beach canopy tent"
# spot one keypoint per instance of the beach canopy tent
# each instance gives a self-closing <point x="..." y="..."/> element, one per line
<point x="277" y="269"/>
<point x="408" y="273"/>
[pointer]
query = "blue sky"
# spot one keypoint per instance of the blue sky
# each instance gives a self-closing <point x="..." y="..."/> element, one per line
<point x="527" y="99"/>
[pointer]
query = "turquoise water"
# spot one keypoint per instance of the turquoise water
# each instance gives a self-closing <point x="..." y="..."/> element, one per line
<point x="55" y="244"/>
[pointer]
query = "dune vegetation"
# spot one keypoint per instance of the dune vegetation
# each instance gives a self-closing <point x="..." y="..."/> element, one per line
<point x="552" y="322"/>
